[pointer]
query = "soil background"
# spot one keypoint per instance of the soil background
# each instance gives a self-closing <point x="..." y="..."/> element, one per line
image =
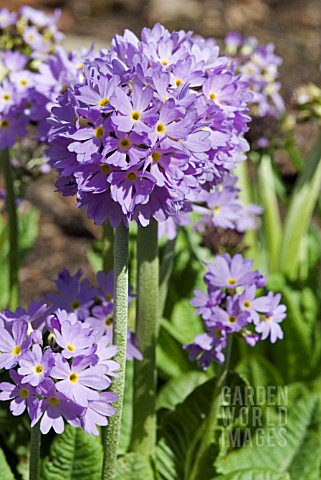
<point x="294" y="26"/>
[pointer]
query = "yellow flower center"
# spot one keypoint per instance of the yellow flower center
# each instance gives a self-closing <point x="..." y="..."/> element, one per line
<point x="135" y="116"/>
<point x="4" y="124"/>
<point x="75" y="304"/>
<point x="160" y="128"/>
<point x="70" y="347"/>
<point x="38" y="369"/>
<point x="108" y="297"/>
<point x="103" y="102"/>
<point x="53" y="401"/>
<point x="178" y="82"/>
<point x="16" y="350"/>
<point x="108" y="322"/>
<point x="164" y="62"/>
<point x="232" y="319"/>
<point x="24" y="393"/>
<point x="124" y="143"/>
<point x="213" y="96"/>
<point x="73" y="377"/>
<point x="105" y="168"/>
<point x="269" y="319"/>
<point x="23" y="82"/>
<point x="132" y="176"/>
<point x="80" y="66"/>
<point x="247" y="304"/>
<point x="231" y="281"/>
<point x="216" y="209"/>
<point x="156" y="156"/>
<point x="6" y="96"/>
<point x="99" y="132"/>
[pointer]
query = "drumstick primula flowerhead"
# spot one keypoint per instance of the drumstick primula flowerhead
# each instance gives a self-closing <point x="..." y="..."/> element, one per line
<point x="154" y="121"/>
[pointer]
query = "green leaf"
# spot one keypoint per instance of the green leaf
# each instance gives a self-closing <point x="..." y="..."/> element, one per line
<point x="5" y="470"/>
<point x="299" y="215"/>
<point x="186" y="325"/>
<point x="134" y="467"/>
<point x="74" y="455"/>
<point x="295" y="450"/>
<point x="272" y="219"/>
<point x="171" y="359"/>
<point x="176" y="390"/>
<point x="179" y="434"/>
<point x="255" y="474"/>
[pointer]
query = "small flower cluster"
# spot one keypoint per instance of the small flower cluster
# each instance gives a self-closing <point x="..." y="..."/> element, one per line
<point x="219" y="208"/>
<point x="58" y="368"/>
<point x="230" y="306"/>
<point x="223" y="208"/>
<point x="154" y="121"/>
<point x="59" y="356"/>
<point x="258" y="65"/>
<point x="27" y="39"/>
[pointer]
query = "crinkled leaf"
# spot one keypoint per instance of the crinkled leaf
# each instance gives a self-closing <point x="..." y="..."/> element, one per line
<point x="176" y="390"/>
<point x="295" y="450"/>
<point x="74" y="455"/>
<point x="255" y="474"/>
<point x="134" y="467"/>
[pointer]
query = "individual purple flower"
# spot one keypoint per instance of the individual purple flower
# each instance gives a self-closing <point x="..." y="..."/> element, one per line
<point x="13" y="343"/>
<point x="22" y="396"/>
<point x="7" y="18"/>
<point x="74" y="295"/>
<point x="207" y="348"/>
<point x="97" y="413"/>
<point x="269" y="322"/>
<point x="80" y="381"/>
<point x="34" y="365"/>
<point x="53" y="408"/>
<point x="75" y="339"/>
<point x="230" y="272"/>
<point x="206" y="302"/>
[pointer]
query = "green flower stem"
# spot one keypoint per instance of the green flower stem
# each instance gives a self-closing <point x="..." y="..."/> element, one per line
<point x="210" y="423"/>
<point x="120" y="320"/>
<point x="108" y="247"/>
<point x="13" y="231"/>
<point x="144" y="417"/>
<point x="166" y="267"/>
<point x="34" y="460"/>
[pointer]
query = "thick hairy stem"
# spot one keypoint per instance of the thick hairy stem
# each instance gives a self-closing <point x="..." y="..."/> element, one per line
<point x="120" y="320"/>
<point x="147" y="314"/>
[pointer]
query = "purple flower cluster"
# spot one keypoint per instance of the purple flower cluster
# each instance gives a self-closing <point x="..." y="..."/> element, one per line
<point x="59" y="355"/>
<point x="258" y="65"/>
<point x="231" y="306"/>
<point x="223" y="208"/>
<point x="59" y="368"/>
<point x="154" y="121"/>
<point x="27" y="38"/>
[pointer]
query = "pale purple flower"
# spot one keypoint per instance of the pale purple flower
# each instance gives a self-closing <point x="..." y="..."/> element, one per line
<point x="13" y="344"/>
<point x="54" y="408"/>
<point x="21" y="396"/>
<point x="34" y="365"/>
<point x="80" y="381"/>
